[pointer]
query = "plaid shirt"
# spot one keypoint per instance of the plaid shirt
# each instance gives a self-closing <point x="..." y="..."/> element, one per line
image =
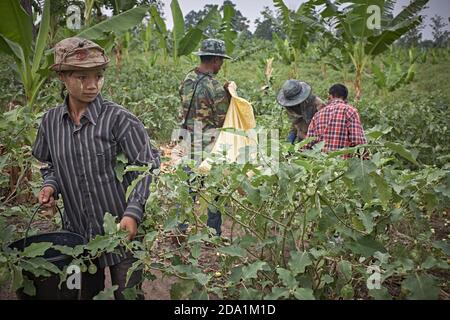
<point x="339" y="125"/>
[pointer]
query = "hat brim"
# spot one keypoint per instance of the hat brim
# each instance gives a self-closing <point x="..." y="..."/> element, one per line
<point x="68" y="67"/>
<point x="202" y="53"/>
<point x="304" y="94"/>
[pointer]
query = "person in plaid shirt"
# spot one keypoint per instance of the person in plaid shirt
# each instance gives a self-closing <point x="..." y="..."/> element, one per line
<point x="337" y="124"/>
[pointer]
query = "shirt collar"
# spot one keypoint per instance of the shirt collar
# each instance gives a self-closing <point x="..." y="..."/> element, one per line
<point x="336" y="100"/>
<point x="92" y="112"/>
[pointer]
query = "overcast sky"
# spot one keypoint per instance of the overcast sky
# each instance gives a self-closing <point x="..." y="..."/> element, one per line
<point x="252" y="8"/>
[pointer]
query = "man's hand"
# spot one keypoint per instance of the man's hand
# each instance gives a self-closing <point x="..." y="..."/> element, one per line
<point x="129" y="224"/>
<point x="46" y="197"/>
<point x="228" y="85"/>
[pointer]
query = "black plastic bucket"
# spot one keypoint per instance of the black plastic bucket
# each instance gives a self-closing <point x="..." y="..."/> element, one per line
<point x="47" y="287"/>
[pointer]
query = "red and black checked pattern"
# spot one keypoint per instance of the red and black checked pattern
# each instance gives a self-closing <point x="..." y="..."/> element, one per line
<point x="339" y="125"/>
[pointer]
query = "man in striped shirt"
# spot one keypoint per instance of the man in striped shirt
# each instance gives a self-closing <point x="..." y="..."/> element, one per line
<point x="337" y="124"/>
<point x="80" y="141"/>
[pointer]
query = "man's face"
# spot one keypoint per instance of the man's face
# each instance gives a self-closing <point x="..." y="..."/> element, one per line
<point x="83" y="85"/>
<point x="218" y="61"/>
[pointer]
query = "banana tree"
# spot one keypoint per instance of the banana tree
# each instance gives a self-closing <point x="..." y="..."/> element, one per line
<point x="31" y="62"/>
<point x="361" y="39"/>
<point x="391" y="74"/>
<point x="116" y="26"/>
<point x="227" y="32"/>
<point x="16" y="40"/>
<point x="298" y="27"/>
<point x="183" y="43"/>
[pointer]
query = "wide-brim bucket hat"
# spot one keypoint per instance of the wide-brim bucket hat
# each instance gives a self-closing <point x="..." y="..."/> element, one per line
<point x="213" y="47"/>
<point x="293" y="92"/>
<point x="78" y="54"/>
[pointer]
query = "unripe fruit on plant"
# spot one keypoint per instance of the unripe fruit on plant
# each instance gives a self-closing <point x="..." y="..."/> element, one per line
<point x="92" y="269"/>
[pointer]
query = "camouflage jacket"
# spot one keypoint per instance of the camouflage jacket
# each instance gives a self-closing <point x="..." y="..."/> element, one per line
<point x="301" y="116"/>
<point x="210" y="103"/>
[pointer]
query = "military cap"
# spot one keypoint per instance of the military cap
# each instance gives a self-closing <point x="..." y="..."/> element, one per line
<point x="212" y="47"/>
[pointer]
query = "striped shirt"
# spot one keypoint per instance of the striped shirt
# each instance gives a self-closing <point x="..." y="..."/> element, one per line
<point x="338" y="125"/>
<point x="81" y="165"/>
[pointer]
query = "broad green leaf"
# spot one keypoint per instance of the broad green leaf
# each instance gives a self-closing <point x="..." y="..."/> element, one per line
<point x="41" y="40"/>
<point x="409" y="12"/>
<point x="121" y="164"/>
<point x="101" y="243"/>
<point x="366" y="246"/>
<point x="212" y="15"/>
<point x="421" y="287"/>
<point x="380" y="294"/>
<point x="118" y="24"/>
<point x="107" y="294"/>
<point x="199" y="295"/>
<point x="130" y="294"/>
<point x="299" y="261"/>
<point x="345" y="267"/>
<point x="250" y="294"/>
<point x="400" y="150"/>
<point x="41" y="263"/>
<point x="17" y="278"/>
<point x="227" y="31"/>
<point x="160" y="26"/>
<point x="367" y="220"/>
<point x="383" y="189"/>
<point x="133" y="185"/>
<point x="232" y="251"/>
<point x="181" y="289"/>
<point x="236" y="274"/>
<point x="199" y="237"/>
<point x="347" y="291"/>
<point x="277" y="293"/>
<point x="429" y="263"/>
<point x="201" y="278"/>
<point x="285" y="14"/>
<point x="287" y="278"/>
<point x="109" y="223"/>
<point x="196" y="250"/>
<point x="16" y="25"/>
<point x="178" y="25"/>
<point x="36" y="249"/>
<point x="189" y="42"/>
<point x="28" y="287"/>
<point x="19" y="56"/>
<point x="74" y="252"/>
<point x="443" y="245"/>
<point x="358" y="172"/>
<point x="304" y="294"/>
<point x="251" y="271"/>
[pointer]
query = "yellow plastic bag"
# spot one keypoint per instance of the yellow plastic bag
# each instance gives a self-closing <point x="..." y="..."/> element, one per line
<point x="228" y="144"/>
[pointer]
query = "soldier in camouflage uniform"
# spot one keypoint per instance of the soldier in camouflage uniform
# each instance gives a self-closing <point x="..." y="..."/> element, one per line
<point x="203" y="98"/>
<point x="301" y="105"/>
<point x="206" y="101"/>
